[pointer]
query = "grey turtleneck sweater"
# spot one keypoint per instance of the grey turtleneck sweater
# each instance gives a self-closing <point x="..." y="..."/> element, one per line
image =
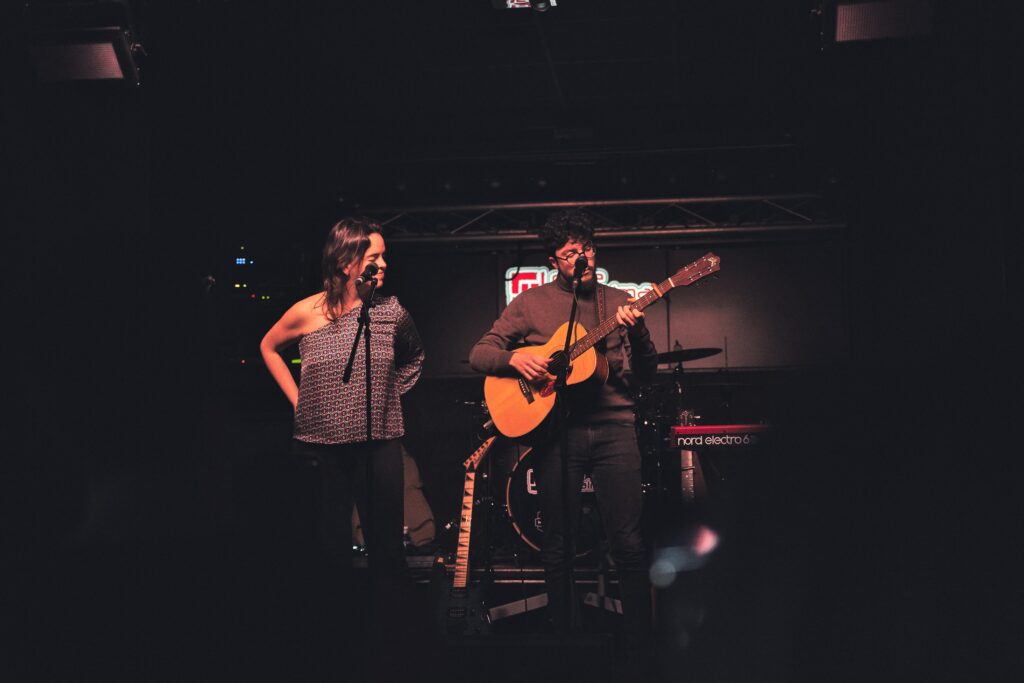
<point x="533" y="317"/>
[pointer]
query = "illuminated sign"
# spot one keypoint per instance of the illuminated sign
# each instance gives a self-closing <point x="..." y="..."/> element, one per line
<point x="518" y="280"/>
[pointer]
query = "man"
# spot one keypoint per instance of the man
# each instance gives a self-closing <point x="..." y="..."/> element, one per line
<point x="600" y="427"/>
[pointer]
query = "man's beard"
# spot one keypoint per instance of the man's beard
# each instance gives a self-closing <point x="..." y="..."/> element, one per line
<point x="584" y="286"/>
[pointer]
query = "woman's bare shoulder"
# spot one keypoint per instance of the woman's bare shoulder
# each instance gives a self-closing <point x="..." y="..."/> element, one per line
<point x="314" y="303"/>
<point x="307" y="314"/>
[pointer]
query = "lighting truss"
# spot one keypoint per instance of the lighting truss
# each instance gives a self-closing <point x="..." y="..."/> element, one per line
<point x="672" y="220"/>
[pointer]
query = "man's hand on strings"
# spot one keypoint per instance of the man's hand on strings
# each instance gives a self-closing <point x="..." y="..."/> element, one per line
<point x="532" y="368"/>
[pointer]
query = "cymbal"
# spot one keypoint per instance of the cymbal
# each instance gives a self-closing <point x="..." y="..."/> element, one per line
<point x="681" y="355"/>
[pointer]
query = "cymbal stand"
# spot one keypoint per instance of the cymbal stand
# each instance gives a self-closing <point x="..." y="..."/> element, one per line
<point x="688" y="462"/>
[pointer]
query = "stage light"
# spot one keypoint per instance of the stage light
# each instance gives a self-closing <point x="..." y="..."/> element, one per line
<point x="537" y="5"/>
<point x="876" y="20"/>
<point x="83" y="41"/>
<point x="850" y="21"/>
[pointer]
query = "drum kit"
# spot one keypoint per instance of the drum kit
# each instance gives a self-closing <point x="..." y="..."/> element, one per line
<point x="511" y="495"/>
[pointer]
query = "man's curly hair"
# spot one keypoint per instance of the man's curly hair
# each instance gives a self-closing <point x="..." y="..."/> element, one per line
<point x="564" y="225"/>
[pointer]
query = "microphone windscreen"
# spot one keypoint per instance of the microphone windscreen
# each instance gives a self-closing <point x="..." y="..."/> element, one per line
<point x="580" y="267"/>
<point x="368" y="272"/>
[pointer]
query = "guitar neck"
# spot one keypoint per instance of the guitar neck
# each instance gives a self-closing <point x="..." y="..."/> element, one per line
<point x="705" y="265"/>
<point x="609" y="325"/>
<point x="465" y="525"/>
<point x="466" y="520"/>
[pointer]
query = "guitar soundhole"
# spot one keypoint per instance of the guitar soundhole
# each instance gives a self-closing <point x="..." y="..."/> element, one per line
<point x="557" y="361"/>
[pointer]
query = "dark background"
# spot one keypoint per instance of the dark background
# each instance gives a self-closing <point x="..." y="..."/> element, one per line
<point x="135" y="431"/>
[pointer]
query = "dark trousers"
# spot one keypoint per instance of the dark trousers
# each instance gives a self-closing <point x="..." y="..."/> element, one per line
<point x="370" y="476"/>
<point x="609" y="453"/>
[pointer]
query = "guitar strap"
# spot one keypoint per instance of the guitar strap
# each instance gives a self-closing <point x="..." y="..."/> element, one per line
<point x="601" y="314"/>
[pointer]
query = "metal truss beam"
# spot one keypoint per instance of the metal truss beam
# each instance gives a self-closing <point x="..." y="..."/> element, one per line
<point x="763" y="217"/>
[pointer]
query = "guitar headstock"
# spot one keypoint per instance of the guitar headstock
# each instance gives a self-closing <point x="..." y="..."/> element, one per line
<point x="474" y="460"/>
<point x="706" y="265"/>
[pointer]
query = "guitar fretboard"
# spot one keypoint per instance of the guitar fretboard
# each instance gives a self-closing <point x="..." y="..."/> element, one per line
<point x="609" y="325"/>
<point x="461" y="576"/>
<point x="705" y="265"/>
<point x="465" y="525"/>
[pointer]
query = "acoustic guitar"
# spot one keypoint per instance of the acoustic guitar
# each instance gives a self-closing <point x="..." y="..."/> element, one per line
<point x="518" y="406"/>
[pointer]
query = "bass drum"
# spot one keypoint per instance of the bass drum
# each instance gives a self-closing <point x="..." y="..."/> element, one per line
<point x="522" y="503"/>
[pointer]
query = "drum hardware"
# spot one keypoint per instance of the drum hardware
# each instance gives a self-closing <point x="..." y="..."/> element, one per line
<point x="688" y="462"/>
<point x="681" y="355"/>
<point x="687" y="417"/>
<point x="596" y="599"/>
<point x="673" y="476"/>
<point x="599" y="598"/>
<point x="510" y="609"/>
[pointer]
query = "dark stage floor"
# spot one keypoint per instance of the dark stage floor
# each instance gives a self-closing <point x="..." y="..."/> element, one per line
<point x="231" y="609"/>
<point x="829" y="567"/>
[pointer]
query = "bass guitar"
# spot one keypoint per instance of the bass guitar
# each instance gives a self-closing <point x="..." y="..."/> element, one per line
<point x="518" y="406"/>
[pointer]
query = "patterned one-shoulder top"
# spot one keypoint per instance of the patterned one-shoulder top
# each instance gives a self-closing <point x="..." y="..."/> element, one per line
<point x="331" y="411"/>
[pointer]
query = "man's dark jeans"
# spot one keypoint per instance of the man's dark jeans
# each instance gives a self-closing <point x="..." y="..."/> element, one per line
<point x="609" y="453"/>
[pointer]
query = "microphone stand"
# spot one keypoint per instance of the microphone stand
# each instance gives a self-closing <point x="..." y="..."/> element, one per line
<point x="561" y="381"/>
<point x="364" y="329"/>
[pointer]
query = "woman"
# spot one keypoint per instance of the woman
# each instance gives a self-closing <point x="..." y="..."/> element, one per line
<point x="330" y="432"/>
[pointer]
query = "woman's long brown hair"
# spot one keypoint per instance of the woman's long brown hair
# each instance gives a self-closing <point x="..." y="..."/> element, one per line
<point x="347" y="242"/>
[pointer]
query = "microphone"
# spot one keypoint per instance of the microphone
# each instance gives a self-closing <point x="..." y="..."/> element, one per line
<point x="579" y="268"/>
<point x="368" y="272"/>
